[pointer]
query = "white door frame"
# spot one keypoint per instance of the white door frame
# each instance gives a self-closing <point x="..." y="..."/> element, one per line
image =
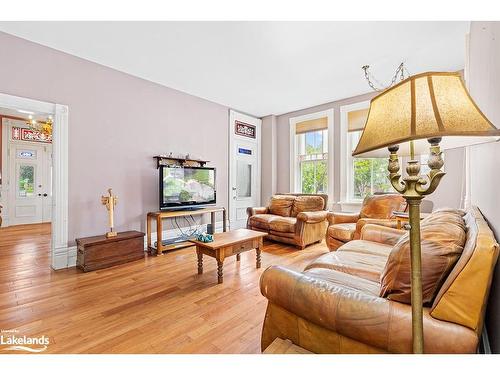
<point x="59" y="243"/>
<point x="233" y="115"/>
<point x="329" y="114"/>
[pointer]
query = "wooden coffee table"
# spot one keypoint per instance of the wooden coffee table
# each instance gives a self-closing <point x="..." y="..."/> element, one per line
<point x="229" y="243"/>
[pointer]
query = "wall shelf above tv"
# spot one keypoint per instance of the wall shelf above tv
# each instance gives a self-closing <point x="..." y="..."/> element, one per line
<point x="180" y="162"/>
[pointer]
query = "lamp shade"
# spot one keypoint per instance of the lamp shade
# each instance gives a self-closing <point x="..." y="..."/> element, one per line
<point x="427" y="105"/>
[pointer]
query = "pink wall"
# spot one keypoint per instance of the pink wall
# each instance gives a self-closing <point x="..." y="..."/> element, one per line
<point x="117" y="123"/>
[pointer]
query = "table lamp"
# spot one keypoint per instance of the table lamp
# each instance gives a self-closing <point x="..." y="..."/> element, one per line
<point x="432" y="107"/>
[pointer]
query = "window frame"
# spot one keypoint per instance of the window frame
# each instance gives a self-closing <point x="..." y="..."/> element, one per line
<point x="347" y="199"/>
<point x="294" y="182"/>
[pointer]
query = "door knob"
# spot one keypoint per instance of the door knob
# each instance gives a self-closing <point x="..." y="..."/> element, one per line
<point x="39" y="195"/>
<point x="45" y="194"/>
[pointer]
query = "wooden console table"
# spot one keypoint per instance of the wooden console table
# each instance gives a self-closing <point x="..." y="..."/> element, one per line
<point x="160" y="215"/>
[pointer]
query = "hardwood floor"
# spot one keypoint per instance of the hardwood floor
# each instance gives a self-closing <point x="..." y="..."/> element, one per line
<point x="155" y="305"/>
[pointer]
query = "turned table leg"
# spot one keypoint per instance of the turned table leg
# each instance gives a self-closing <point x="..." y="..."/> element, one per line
<point x="220" y="277"/>
<point x="258" y="257"/>
<point x="200" y="261"/>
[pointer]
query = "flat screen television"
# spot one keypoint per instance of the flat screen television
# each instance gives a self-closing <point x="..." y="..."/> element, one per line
<point x="186" y="187"/>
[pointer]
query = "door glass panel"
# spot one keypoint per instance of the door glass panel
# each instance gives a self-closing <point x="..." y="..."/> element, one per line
<point x="243" y="179"/>
<point x="26" y="181"/>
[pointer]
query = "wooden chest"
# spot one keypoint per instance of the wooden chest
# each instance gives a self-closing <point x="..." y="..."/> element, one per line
<point x="98" y="252"/>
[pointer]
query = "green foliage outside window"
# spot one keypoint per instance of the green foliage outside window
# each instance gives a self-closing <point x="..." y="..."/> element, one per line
<point x="313" y="164"/>
<point x="370" y="177"/>
<point x="314" y="177"/>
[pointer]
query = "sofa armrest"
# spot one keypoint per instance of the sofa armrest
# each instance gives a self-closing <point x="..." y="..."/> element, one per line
<point x="381" y="234"/>
<point x="257" y="210"/>
<point x="363" y="317"/>
<point x="342" y="217"/>
<point x="312" y="216"/>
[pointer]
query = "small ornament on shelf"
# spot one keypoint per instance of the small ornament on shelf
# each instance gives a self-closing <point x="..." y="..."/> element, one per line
<point x="110" y="202"/>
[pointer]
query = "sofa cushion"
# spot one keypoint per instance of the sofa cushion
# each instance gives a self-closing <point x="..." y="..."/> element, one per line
<point x="366" y="266"/>
<point x="343" y="232"/>
<point x="261" y="220"/>
<point x="307" y="203"/>
<point x="382" y="206"/>
<point x="283" y="224"/>
<point x="367" y="247"/>
<point x="442" y="241"/>
<point x="281" y="205"/>
<point x="345" y="280"/>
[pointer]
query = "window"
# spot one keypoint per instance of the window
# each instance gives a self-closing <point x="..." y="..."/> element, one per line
<point x="367" y="176"/>
<point x="312" y="156"/>
<point x="26" y="183"/>
<point x="361" y="177"/>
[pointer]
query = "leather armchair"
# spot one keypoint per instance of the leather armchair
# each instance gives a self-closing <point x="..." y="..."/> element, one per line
<point x="376" y="209"/>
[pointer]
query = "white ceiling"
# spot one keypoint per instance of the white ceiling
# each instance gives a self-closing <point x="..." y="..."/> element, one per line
<point x="260" y="68"/>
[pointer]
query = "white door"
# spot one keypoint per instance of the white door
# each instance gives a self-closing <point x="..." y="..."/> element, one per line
<point x="244" y="167"/>
<point x="30" y="189"/>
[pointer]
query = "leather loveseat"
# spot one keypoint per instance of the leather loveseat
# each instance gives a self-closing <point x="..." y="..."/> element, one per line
<point x="357" y="299"/>
<point x="296" y="219"/>
<point x="376" y="209"/>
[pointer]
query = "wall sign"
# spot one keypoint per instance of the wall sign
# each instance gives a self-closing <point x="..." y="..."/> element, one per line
<point x="24" y="134"/>
<point x="246" y="130"/>
<point x="244" y="151"/>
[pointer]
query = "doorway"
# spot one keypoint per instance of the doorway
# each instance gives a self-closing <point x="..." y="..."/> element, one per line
<point x="34" y="171"/>
<point x="244" y="166"/>
<point x="27" y="168"/>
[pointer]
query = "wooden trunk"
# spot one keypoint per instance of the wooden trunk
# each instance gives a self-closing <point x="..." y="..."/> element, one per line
<point x="100" y="252"/>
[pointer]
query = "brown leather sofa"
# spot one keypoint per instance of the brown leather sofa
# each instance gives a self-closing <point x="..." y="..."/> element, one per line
<point x="339" y="303"/>
<point x="376" y="209"/>
<point x="296" y="219"/>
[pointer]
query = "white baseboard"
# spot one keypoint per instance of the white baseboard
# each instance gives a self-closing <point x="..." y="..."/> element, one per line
<point x="65" y="257"/>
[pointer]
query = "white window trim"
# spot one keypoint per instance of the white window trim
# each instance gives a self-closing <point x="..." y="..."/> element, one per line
<point x="345" y="157"/>
<point x="294" y="164"/>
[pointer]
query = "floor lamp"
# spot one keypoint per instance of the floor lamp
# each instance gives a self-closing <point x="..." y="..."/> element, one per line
<point x="433" y="108"/>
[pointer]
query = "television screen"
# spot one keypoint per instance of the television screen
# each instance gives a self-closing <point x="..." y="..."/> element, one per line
<point x="186" y="186"/>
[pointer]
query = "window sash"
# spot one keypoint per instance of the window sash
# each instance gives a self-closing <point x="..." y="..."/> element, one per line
<point x="315" y="162"/>
<point x="302" y="157"/>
